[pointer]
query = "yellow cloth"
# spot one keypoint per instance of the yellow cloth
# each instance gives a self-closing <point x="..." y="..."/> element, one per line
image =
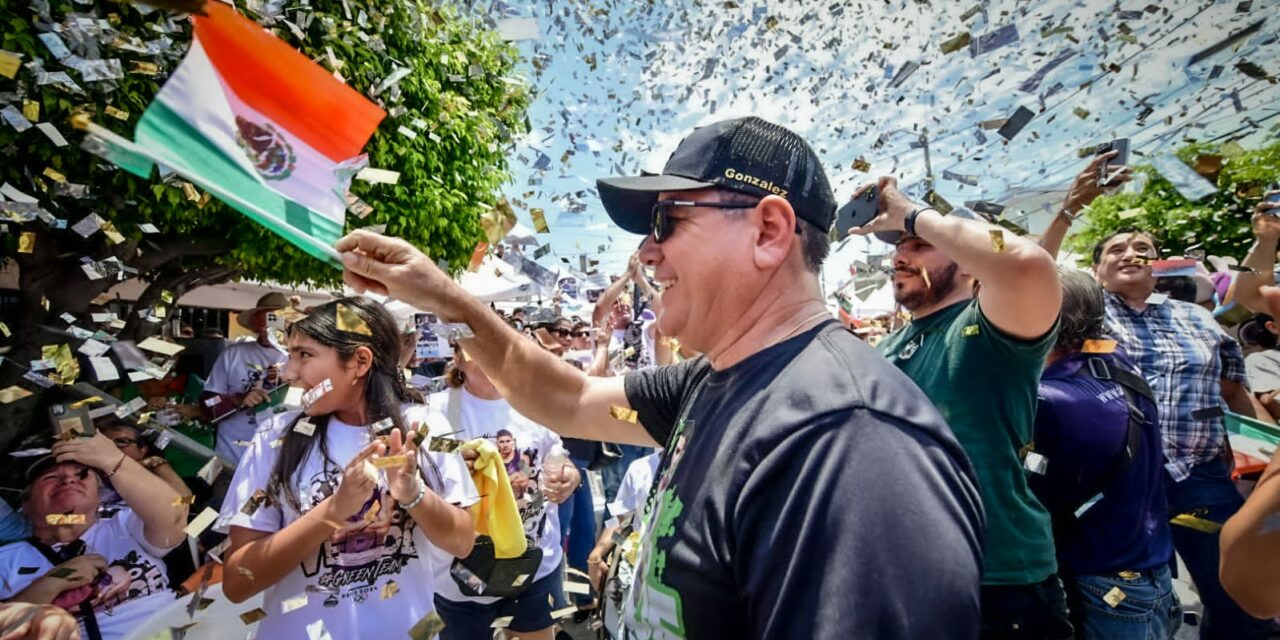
<point x="496" y="514"/>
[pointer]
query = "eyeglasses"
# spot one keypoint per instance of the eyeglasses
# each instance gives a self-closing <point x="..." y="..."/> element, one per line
<point x="561" y="332"/>
<point x="664" y="224"/>
<point x="581" y="334"/>
<point x="124" y="442"/>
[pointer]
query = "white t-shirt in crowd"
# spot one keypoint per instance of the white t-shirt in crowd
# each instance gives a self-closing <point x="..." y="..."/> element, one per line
<point x="533" y="442"/>
<point x="237" y="370"/>
<point x="120" y="540"/>
<point x="344" y="580"/>
<point x="634" y="488"/>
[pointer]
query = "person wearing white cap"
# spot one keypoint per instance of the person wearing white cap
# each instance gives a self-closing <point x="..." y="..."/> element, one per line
<point x="236" y="383"/>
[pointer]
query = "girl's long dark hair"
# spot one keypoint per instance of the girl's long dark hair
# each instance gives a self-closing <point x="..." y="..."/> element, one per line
<point x="384" y="392"/>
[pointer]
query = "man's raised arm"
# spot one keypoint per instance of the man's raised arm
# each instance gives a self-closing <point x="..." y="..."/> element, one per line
<point x="539" y="385"/>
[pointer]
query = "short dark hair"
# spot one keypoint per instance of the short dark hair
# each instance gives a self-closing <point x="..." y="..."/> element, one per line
<point x="815" y="244"/>
<point x="1084" y="310"/>
<point x="502" y="432"/>
<point x="1097" y="248"/>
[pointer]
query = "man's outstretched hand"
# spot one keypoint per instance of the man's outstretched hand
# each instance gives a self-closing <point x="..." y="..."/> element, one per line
<point x="393" y="267"/>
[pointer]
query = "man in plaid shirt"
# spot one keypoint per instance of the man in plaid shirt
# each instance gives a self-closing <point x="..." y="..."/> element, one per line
<point x="1193" y="367"/>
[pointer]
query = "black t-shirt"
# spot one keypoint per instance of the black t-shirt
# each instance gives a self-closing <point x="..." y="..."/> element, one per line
<point x="811" y="491"/>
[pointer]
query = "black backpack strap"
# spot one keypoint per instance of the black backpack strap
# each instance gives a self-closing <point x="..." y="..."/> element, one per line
<point x="1134" y="387"/>
<point x="86" y="609"/>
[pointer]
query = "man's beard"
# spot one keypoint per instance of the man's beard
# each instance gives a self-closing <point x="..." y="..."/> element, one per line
<point x="943" y="285"/>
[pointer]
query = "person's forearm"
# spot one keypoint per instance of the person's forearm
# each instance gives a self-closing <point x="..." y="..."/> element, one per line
<point x="599" y="366"/>
<point x="1262" y="262"/>
<point x="43" y="590"/>
<point x="448" y="527"/>
<point x="1250" y="551"/>
<point x="1240" y="400"/>
<point x="604" y="544"/>
<point x="153" y="502"/>
<point x="605" y="303"/>
<point x="267" y="560"/>
<point x="969" y="244"/>
<point x="1051" y="239"/>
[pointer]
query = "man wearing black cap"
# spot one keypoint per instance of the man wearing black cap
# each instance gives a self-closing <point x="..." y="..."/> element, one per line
<point x="978" y="353"/>
<point x="809" y="489"/>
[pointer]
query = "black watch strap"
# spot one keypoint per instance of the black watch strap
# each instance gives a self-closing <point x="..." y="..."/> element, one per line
<point x="909" y="223"/>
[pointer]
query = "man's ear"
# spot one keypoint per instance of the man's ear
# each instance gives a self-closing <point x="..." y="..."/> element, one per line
<point x="776" y="232"/>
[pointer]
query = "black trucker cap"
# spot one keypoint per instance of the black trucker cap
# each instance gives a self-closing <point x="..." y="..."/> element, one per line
<point x="746" y="155"/>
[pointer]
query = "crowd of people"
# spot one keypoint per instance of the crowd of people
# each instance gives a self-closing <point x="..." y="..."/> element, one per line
<point x="1033" y="451"/>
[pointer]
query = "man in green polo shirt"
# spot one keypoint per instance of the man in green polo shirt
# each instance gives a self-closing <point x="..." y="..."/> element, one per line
<point x="977" y="352"/>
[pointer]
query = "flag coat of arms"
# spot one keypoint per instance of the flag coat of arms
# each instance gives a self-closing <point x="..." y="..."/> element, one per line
<point x="257" y="124"/>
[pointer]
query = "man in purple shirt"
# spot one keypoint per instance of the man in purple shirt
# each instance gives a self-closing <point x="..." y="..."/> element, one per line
<point x="1097" y="430"/>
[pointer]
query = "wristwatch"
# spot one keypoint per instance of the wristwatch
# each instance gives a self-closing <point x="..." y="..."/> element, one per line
<point x="909" y="223"/>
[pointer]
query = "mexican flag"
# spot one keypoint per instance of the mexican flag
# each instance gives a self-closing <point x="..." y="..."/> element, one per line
<point x="258" y="125"/>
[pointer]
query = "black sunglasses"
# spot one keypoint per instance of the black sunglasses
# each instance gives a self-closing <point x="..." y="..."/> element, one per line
<point x="664" y="224"/>
<point x="561" y="332"/>
<point x="124" y="442"/>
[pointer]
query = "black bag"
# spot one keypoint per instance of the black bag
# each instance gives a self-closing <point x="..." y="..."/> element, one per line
<point x="484" y="574"/>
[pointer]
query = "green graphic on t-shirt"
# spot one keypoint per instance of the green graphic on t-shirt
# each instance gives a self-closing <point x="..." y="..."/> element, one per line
<point x="656" y="611"/>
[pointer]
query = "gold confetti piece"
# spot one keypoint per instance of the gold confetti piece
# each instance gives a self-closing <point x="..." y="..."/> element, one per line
<point x="9" y="64"/>
<point x="997" y="240"/>
<point x="924" y="275"/>
<point x="245" y="572"/>
<point x="383" y="462"/>
<point x="389" y="589"/>
<point x="83" y="403"/>
<point x="254" y="502"/>
<point x="54" y="175"/>
<point x="81" y="120"/>
<point x="427" y="628"/>
<point x="144" y="68"/>
<point x="252" y="616"/>
<point x="275" y="444"/>
<point x="624" y="414"/>
<point x="372" y="513"/>
<point x="1099" y="346"/>
<point x="305" y="427"/>
<point x="1114" y="597"/>
<point x="969" y="331"/>
<point x="957" y="43"/>
<point x="184" y="501"/>
<point x="118" y="114"/>
<point x="502" y="623"/>
<point x="861" y="164"/>
<point x="351" y="322"/>
<point x="539" y="220"/>
<point x="4" y="329"/>
<point x="31" y="110"/>
<point x="64" y="519"/>
<point x="1195" y="522"/>
<point x="189" y="190"/>
<point x="293" y="604"/>
<point x="27" y="242"/>
<point x="1141" y="260"/>
<point x="1128" y="575"/>
<point x="13" y="394"/>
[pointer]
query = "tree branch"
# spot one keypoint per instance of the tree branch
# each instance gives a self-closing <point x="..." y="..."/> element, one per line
<point x="174" y="248"/>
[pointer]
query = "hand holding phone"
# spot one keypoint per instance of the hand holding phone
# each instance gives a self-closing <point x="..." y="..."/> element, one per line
<point x="858" y="211"/>
<point x="1121" y="147"/>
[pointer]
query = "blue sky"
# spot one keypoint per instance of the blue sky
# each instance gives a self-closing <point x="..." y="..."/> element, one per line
<point x="622" y="82"/>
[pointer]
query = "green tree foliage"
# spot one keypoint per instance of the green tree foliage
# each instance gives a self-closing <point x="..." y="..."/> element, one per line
<point x="460" y="101"/>
<point x="460" y="97"/>
<point x="1219" y="223"/>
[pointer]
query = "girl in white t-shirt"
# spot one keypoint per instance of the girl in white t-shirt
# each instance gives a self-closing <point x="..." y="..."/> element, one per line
<point x="343" y="548"/>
